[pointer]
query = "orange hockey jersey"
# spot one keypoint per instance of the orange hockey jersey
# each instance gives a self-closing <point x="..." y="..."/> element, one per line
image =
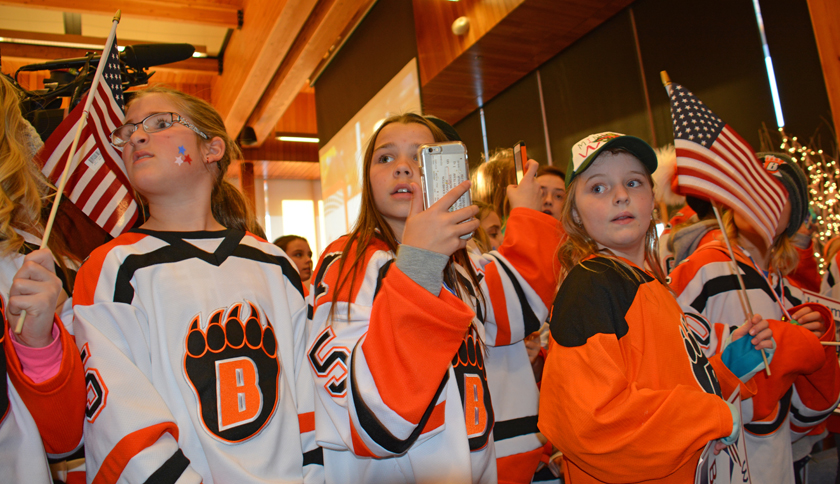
<point x="627" y="394"/>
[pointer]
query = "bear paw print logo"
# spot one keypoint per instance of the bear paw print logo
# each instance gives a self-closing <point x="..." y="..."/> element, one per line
<point x="233" y="369"/>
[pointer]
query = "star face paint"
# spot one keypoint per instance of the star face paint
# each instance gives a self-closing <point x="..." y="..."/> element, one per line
<point x="183" y="157"/>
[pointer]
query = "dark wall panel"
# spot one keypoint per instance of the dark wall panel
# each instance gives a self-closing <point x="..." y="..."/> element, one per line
<point x="715" y="52"/>
<point x="593" y="86"/>
<point x="469" y="129"/>
<point x="515" y="115"/>
<point x="381" y="46"/>
<point x="796" y="61"/>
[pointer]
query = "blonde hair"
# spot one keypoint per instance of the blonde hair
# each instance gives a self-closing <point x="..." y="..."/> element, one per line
<point x="783" y="254"/>
<point x="578" y="245"/>
<point x="230" y="208"/>
<point x="24" y="188"/>
<point x="371" y="224"/>
<point x="491" y="179"/>
<point x="482" y="240"/>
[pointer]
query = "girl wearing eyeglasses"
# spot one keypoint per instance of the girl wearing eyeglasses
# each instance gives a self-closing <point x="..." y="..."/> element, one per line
<point x="191" y="327"/>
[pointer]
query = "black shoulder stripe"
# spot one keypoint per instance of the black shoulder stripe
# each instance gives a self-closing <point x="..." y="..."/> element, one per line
<point x="729" y="282"/>
<point x="830" y="279"/>
<point x="314" y="457"/>
<point x="531" y="322"/>
<point x="594" y="299"/>
<point x="252" y="253"/>
<point x="124" y="291"/>
<point x="767" y="428"/>
<point x="383" y="271"/>
<point x="507" y="429"/>
<point x="371" y="425"/>
<point x="171" y="470"/>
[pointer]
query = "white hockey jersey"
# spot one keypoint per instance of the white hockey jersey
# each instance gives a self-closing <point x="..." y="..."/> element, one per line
<point x="804" y="386"/>
<point x="402" y="379"/>
<point x="193" y="345"/>
<point x="39" y="423"/>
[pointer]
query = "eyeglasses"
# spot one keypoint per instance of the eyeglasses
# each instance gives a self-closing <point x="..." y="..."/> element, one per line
<point x="152" y="124"/>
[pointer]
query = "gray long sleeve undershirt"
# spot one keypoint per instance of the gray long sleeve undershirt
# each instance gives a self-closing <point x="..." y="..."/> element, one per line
<point x="422" y="266"/>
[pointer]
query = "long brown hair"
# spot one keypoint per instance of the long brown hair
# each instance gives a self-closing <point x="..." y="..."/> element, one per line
<point x="230" y="208"/>
<point x="371" y="225"/>
<point x="24" y="192"/>
<point x="578" y="245"/>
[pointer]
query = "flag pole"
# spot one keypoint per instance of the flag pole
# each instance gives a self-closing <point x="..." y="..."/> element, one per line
<point x="742" y="294"/>
<point x="67" y="167"/>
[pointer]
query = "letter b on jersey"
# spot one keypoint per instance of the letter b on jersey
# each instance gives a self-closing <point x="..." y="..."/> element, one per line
<point x="239" y="397"/>
<point x="233" y="369"/>
<point x="475" y="410"/>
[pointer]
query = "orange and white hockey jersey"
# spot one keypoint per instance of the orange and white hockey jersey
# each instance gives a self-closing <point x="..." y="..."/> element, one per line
<point x="402" y="384"/>
<point x="193" y="345"/>
<point x="804" y="386"/>
<point x="40" y="423"/>
<point x="627" y="394"/>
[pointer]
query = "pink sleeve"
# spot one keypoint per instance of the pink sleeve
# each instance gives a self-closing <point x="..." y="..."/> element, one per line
<point x="40" y="364"/>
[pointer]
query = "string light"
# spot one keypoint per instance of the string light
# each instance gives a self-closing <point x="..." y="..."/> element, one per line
<point x="824" y="182"/>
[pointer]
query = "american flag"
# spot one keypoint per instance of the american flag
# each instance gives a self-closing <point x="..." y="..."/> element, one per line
<point x="98" y="184"/>
<point x="714" y="162"/>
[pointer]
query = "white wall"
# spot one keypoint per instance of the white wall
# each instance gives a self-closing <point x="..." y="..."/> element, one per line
<point x="279" y="190"/>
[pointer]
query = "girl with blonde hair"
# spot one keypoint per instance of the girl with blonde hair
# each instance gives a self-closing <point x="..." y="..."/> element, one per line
<point x="41" y="381"/>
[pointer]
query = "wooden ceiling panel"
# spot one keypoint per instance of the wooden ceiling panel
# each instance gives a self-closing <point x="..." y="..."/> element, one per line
<point x="529" y="35"/>
<point x="280" y="170"/>
<point x="276" y="150"/>
<point x="437" y="46"/>
<point x="300" y="117"/>
<point x="209" y="12"/>
<point x="253" y="55"/>
<point x="329" y="21"/>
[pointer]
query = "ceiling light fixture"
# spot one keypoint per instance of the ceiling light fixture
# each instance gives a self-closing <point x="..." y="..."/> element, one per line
<point x="298" y="139"/>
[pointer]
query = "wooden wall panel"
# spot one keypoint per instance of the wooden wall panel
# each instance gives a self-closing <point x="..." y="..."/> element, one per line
<point x="824" y="15"/>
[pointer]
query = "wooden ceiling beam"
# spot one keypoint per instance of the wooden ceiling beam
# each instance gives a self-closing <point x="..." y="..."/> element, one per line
<point x="330" y="20"/>
<point x="222" y="13"/>
<point x="40" y="38"/>
<point x="41" y="53"/>
<point x="253" y="55"/>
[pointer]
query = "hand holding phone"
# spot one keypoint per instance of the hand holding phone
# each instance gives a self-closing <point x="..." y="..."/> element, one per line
<point x="438" y="229"/>
<point x="528" y="193"/>
<point x="520" y="158"/>
<point x="444" y="166"/>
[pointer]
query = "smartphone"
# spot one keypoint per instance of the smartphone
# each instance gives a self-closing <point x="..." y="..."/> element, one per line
<point x="444" y="166"/>
<point x="520" y="157"/>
